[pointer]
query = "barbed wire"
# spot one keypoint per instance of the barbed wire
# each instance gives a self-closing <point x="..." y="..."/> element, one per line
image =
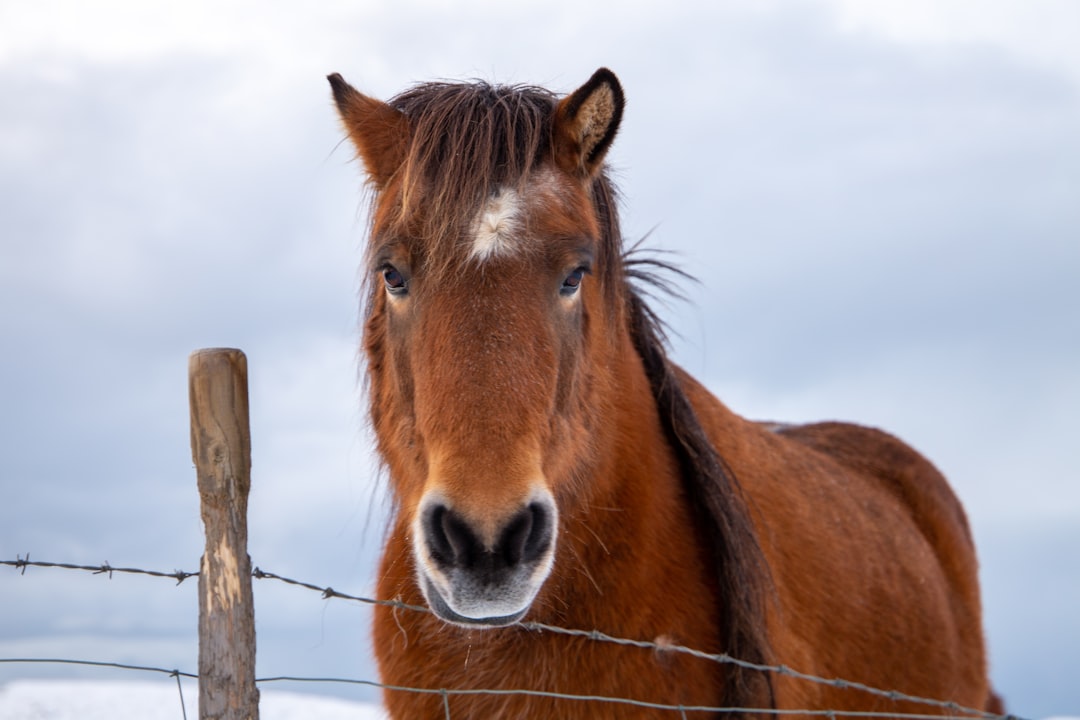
<point x="682" y="709"/>
<point x="21" y="564"/>
<point x="455" y="692"/>
<point x="116" y="666"/>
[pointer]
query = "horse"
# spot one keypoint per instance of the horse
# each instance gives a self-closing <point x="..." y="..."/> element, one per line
<point x="551" y="467"/>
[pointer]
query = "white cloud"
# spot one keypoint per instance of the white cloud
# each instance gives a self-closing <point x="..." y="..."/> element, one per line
<point x="879" y="200"/>
<point x="1043" y="31"/>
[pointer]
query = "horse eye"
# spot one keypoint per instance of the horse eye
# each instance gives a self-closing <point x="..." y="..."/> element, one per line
<point x="394" y="281"/>
<point x="572" y="282"/>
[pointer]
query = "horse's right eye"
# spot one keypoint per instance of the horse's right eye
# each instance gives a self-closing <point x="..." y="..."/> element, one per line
<point x="572" y="283"/>
<point x="395" y="282"/>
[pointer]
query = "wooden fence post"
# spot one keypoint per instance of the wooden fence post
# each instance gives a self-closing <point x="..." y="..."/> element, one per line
<point x="221" y="449"/>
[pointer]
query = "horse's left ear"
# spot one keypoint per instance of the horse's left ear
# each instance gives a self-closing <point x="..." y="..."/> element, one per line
<point x="378" y="131"/>
<point x="586" y="122"/>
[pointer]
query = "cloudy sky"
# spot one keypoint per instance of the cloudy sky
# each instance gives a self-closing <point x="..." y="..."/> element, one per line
<point x="881" y="202"/>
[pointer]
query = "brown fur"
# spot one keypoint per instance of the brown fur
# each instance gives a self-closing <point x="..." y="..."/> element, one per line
<point x="833" y="549"/>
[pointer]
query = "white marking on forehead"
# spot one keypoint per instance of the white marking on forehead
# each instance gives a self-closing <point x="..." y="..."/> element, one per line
<point x="495" y="230"/>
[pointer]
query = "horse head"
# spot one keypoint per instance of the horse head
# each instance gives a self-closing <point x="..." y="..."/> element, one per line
<point x="491" y="264"/>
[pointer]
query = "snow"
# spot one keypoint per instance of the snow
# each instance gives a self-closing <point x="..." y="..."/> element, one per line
<point x="97" y="700"/>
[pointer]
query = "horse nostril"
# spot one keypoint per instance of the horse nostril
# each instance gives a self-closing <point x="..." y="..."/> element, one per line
<point x="454" y="544"/>
<point x="527" y="536"/>
<point x="450" y="539"/>
<point x="515" y="536"/>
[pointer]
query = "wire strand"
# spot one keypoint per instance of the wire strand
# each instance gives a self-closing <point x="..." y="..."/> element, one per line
<point x="21" y="564"/>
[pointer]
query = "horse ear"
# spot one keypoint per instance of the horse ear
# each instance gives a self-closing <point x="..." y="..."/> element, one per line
<point x="586" y="122"/>
<point x="378" y="131"/>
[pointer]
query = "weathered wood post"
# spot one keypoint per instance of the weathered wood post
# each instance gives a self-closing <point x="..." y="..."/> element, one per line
<point x="221" y="449"/>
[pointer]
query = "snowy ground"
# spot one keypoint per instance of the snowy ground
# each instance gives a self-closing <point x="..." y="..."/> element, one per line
<point x="96" y="700"/>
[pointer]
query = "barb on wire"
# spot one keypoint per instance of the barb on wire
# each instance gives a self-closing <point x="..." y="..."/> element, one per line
<point x="180" y="690"/>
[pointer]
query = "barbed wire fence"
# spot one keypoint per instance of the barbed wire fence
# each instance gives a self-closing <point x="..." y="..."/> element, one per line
<point x="221" y="450"/>
<point x="21" y="564"/>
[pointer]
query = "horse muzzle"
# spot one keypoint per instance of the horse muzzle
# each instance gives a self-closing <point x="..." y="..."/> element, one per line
<point x="483" y="577"/>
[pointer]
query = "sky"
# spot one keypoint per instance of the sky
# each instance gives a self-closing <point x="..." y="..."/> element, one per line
<point x="879" y="201"/>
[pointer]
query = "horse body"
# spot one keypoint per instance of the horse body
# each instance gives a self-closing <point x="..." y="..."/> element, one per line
<point x="550" y="463"/>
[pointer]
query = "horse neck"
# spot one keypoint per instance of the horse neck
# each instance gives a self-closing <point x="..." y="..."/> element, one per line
<point x="620" y="540"/>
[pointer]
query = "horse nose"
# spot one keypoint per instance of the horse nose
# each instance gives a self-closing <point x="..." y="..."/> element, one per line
<point x="522" y="540"/>
<point x="527" y="536"/>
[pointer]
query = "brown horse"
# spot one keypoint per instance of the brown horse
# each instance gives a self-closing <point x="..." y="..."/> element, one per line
<point x="550" y="463"/>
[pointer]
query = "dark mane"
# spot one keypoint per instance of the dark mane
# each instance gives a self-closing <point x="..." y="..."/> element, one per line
<point x="467" y="141"/>
<point x="713" y="491"/>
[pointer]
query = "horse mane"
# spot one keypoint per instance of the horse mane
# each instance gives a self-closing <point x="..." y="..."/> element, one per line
<point x="713" y="491"/>
<point x="469" y="140"/>
<point x="715" y="495"/>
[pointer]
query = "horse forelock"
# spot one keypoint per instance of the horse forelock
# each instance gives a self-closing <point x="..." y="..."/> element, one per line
<point x="467" y="142"/>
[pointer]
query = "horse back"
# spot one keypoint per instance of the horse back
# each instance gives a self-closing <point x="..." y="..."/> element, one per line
<point x="881" y="465"/>
<point x="873" y="570"/>
<point x="900" y="470"/>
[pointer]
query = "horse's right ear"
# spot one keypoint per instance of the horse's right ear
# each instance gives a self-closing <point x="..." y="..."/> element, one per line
<point x="378" y="131"/>
<point x="586" y="122"/>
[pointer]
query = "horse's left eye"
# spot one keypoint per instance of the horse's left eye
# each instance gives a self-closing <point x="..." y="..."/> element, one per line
<point x="572" y="282"/>
<point x="395" y="282"/>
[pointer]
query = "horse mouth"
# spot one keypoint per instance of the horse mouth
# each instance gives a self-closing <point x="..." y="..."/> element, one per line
<point x="444" y="612"/>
